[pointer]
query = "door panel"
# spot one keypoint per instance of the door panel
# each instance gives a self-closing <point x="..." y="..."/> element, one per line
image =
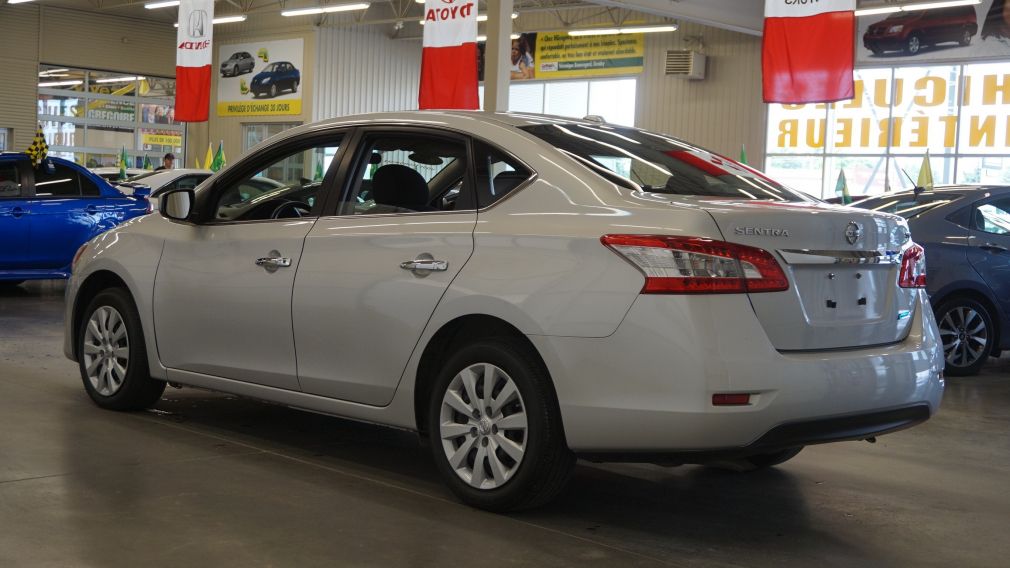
<point x="989" y="247"/>
<point x="15" y="223"/>
<point x="60" y="225"/>
<point x="357" y="313"/>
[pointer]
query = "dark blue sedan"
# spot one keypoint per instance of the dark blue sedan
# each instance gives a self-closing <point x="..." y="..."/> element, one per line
<point x="966" y="233"/>
<point x="46" y="213"/>
<point x="277" y="77"/>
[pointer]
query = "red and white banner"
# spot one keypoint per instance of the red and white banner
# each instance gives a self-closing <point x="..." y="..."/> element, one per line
<point x="809" y="51"/>
<point x="193" y="58"/>
<point x="449" y="58"/>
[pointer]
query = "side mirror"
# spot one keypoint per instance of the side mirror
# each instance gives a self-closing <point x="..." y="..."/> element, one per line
<point x="177" y="204"/>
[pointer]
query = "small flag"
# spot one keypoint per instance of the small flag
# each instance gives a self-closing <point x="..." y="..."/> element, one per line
<point x="925" y="181"/>
<point x="219" y="159"/>
<point x="319" y="169"/>
<point x="147" y="163"/>
<point x="124" y="160"/>
<point x="842" y="188"/>
<point x="209" y="159"/>
<point x="38" y="149"/>
<point x="743" y="154"/>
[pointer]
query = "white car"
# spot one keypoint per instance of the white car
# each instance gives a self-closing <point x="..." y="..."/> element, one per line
<point x="520" y="290"/>
<point x="161" y="181"/>
<point x="111" y="173"/>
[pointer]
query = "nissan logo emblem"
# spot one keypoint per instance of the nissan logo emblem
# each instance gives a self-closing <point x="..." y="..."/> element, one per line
<point x="852" y="232"/>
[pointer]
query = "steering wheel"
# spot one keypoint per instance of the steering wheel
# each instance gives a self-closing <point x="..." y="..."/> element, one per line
<point x="299" y="208"/>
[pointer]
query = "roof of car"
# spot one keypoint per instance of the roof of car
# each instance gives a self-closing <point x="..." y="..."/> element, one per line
<point x="944" y="189"/>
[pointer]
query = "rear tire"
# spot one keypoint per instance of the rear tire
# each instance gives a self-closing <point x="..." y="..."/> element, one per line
<point x="967" y="333"/>
<point x="8" y="284"/>
<point x="112" y="354"/>
<point x="966" y="37"/>
<point x="512" y="458"/>
<point x="913" y="45"/>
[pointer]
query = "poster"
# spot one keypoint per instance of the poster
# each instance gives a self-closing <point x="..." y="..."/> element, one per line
<point x="260" y="78"/>
<point x="956" y="33"/>
<point x="557" y="55"/>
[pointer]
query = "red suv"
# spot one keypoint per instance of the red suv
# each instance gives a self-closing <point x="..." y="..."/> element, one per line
<point x="911" y="31"/>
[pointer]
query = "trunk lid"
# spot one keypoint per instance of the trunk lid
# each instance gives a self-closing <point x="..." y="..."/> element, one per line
<point x="843" y="266"/>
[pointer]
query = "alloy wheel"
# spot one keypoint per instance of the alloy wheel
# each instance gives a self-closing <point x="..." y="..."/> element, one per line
<point x="483" y="426"/>
<point x="106" y="350"/>
<point x="965" y="336"/>
<point x="914" y="45"/>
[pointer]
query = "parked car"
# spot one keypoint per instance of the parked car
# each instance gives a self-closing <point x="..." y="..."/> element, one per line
<point x="157" y="182"/>
<point x="520" y="290"/>
<point x="912" y="31"/>
<point x="277" y="77"/>
<point x="110" y="173"/>
<point x="966" y="233"/>
<point x="46" y="213"/>
<point x="238" y="64"/>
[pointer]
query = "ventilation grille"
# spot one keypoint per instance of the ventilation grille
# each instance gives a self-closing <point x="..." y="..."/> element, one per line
<point x="685" y="63"/>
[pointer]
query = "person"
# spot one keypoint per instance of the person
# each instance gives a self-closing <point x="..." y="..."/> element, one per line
<point x="522" y="62"/>
<point x="997" y="21"/>
<point x="167" y="162"/>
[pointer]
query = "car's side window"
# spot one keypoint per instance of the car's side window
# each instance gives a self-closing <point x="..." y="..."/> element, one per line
<point x="88" y="187"/>
<point x="187" y="182"/>
<point x="497" y="173"/>
<point x="993" y="217"/>
<point x="10" y="180"/>
<point x="410" y="173"/>
<point x="64" y="181"/>
<point x="283" y="186"/>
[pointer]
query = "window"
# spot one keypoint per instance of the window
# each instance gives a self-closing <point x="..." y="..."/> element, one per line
<point x="279" y="188"/>
<point x="907" y="206"/>
<point x="994" y="217"/>
<point x="10" y="180"/>
<point x="613" y="99"/>
<point x="187" y="182"/>
<point x="253" y="134"/>
<point x="63" y="182"/>
<point x="497" y="174"/>
<point x="408" y="173"/>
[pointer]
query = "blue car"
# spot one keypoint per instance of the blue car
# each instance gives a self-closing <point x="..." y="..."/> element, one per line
<point x="966" y="233"/>
<point x="277" y="77"/>
<point x="46" y="213"/>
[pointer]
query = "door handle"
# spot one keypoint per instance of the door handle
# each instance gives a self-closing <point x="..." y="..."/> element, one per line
<point x="425" y="263"/>
<point x="17" y="212"/>
<point x="993" y="247"/>
<point x="91" y="210"/>
<point x="273" y="262"/>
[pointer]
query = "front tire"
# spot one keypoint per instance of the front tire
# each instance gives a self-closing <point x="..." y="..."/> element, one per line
<point x="273" y="90"/>
<point x="967" y="333"/>
<point x="112" y="355"/>
<point x="496" y="433"/>
<point x="913" y="45"/>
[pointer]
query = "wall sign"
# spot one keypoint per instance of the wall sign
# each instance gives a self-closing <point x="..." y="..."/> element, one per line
<point x="557" y="55"/>
<point x="260" y="79"/>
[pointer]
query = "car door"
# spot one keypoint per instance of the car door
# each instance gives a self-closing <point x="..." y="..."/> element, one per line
<point x="989" y="245"/>
<point x="374" y="270"/>
<point x="222" y="298"/>
<point x="67" y="210"/>
<point x="15" y="208"/>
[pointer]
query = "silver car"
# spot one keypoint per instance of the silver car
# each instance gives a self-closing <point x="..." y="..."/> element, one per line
<point x="520" y="290"/>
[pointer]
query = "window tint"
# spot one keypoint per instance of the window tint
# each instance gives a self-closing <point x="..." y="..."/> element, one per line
<point x="284" y="187"/>
<point x="88" y="187"/>
<point x="187" y="182"/>
<point x="994" y="217"/>
<point x="497" y="174"/>
<point x="10" y="180"/>
<point x="402" y="173"/>
<point x="907" y="206"/>
<point x="63" y="182"/>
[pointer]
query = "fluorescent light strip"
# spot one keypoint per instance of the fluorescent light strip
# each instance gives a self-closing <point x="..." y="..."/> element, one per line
<point x="17" y="1"/>
<point x="628" y="30"/>
<point x="49" y="72"/>
<point x="223" y="20"/>
<point x="119" y="79"/>
<point x="326" y="9"/>
<point x="60" y="83"/>
<point x="916" y="7"/>
<point x="480" y="18"/>
<point x="156" y="5"/>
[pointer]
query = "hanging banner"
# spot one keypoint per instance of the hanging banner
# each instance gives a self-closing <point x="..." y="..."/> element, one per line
<point x="193" y="59"/>
<point x="952" y="33"/>
<point x="262" y="78"/>
<point x="808" y="54"/>
<point x="557" y="55"/>
<point x="449" y="57"/>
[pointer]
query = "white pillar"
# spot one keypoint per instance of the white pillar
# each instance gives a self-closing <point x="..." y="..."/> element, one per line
<point x="497" y="54"/>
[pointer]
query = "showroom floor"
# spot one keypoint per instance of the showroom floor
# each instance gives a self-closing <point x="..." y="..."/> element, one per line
<point x="211" y="480"/>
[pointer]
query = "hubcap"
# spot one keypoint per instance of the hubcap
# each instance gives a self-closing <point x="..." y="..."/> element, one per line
<point x="913" y="45"/>
<point x="106" y="350"/>
<point x="483" y="426"/>
<point x="964" y="336"/>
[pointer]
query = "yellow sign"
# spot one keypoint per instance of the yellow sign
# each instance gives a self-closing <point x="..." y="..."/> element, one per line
<point x="259" y="108"/>
<point x="559" y="55"/>
<point x="162" y="139"/>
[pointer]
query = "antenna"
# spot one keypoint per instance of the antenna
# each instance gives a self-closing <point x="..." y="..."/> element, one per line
<point x="916" y="188"/>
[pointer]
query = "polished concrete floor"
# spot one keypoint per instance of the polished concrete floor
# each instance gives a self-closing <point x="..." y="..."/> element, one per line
<point x="210" y="480"/>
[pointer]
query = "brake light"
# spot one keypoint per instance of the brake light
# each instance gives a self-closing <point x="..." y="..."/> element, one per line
<point x="694" y="265"/>
<point x="913" y="268"/>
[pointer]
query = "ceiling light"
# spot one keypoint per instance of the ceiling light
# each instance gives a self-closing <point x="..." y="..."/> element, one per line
<point x="649" y="29"/>
<point x="915" y="7"/>
<point x="600" y="31"/>
<point x="156" y="5"/>
<point x="481" y="38"/>
<point x="223" y="20"/>
<point x="51" y="71"/>
<point x="17" y="1"/>
<point x="480" y="18"/>
<point x="60" y="83"/>
<point x="326" y="9"/>
<point x="876" y="11"/>
<point x="119" y="79"/>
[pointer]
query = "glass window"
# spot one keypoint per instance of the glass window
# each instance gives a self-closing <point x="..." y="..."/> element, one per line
<point x="907" y="205"/>
<point x="89" y="188"/>
<point x="406" y="173"/>
<point x="993" y="217"/>
<point x="253" y="134"/>
<point x="497" y="174"/>
<point x="567" y="98"/>
<point x="10" y="180"/>
<point x="62" y="182"/>
<point x="984" y="170"/>
<point x="279" y="189"/>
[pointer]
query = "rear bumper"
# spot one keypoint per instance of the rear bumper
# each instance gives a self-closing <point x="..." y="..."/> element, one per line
<point x="648" y="387"/>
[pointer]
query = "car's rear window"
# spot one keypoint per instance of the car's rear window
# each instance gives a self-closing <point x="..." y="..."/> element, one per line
<point x="907" y="206"/>
<point x="660" y="164"/>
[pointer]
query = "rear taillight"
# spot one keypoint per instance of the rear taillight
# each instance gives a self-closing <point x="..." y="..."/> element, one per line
<point x="693" y="265"/>
<point x="913" y="268"/>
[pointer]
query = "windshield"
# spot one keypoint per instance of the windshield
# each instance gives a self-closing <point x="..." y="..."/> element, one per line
<point x="660" y="164"/>
<point x="908" y="205"/>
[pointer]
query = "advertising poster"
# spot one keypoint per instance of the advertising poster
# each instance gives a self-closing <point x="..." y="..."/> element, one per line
<point x="956" y="33"/>
<point x="557" y="55"/>
<point x="260" y="78"/>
